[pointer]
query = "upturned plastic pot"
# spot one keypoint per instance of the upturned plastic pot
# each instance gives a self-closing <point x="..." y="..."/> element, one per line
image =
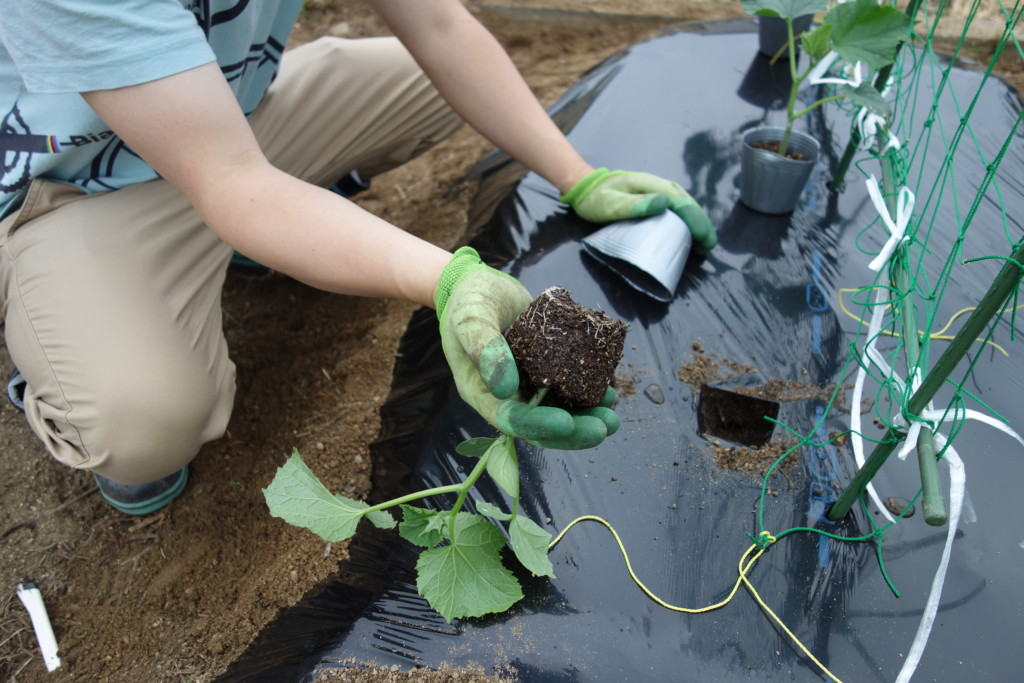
<point x="770" y="183"/>
<point x="648" y="253"/>
<point x="771" y="33"/>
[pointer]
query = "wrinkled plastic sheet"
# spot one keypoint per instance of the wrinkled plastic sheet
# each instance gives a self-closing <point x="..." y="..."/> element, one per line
<point x="766" y="300"/>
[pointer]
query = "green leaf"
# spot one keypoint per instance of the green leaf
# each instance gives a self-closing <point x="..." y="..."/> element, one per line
<point x="467" y="578"/>
<point x="786" y="9"/>
<point x="865" y="95"/>
<point x="865" y="31"/>
<point x="382" y="519"/>
<point x="474" y="448"/>
<point x="816" y="43"/>
<point x="530" y="543"/>
<point x="503" y="466"/>
<point x="493" y="511"/>
<point x="422" y="527"/>
<point x="297" y="496"/>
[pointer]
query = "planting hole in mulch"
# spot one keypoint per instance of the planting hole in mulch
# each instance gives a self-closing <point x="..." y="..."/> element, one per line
<point x="736" y="417"/>
<point x="566" y="348"/>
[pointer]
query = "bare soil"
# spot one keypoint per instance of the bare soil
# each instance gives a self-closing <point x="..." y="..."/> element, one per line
<point x="178" y="595"/>
<point x="774" y="146"/>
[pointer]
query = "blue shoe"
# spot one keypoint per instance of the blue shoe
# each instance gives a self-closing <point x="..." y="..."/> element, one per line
<point x="16" y="389"/>
<point x="247" y="265"/>
<point x="142" y="499"/>
<point x="351" y="185"/>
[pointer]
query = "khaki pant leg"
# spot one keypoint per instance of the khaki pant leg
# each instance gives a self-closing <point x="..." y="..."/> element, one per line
<point x="112" y="314"/>
<point x="341" y="105"/>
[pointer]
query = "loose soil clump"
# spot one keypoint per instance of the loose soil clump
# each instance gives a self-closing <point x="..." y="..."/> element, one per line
<point x="379" y="673"/>
<point x="756" y="461"/>
<point x="566" y="348"/>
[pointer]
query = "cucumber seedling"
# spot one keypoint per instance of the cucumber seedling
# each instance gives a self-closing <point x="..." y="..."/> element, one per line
<point x="564" y="351"/>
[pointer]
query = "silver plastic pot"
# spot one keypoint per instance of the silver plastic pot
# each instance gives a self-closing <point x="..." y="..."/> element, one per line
<point x="770" y="183"/>
<point x="648" y="253"/>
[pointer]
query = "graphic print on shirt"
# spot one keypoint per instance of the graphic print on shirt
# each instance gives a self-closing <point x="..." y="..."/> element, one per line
<point x="259" y="54"/>
<point x="48" y="131"/>
<point x="104" y="162"/>
<point x="17" y="146"/>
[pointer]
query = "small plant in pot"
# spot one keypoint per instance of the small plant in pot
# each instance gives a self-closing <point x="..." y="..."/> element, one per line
<point x="777" y="162"/>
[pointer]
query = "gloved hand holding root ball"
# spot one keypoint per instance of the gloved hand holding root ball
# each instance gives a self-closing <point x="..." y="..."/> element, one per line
<point x="603" y="196"/>
<point x="475" y="304"/>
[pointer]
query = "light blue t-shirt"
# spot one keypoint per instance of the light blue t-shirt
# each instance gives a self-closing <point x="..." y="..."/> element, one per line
<point x="51" y="50"/>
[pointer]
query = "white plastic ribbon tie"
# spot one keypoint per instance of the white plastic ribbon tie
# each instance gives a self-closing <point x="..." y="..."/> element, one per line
<point x="856" y="440"/>
<point x="869" y="124"/>
<point x="821" y="68"/>
<point x="957" y="492"/>
<point x="32" y="599"/>
<point x="897" y="228"/>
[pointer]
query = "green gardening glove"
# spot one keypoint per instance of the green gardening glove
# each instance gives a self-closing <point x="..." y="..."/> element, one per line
<point x="475" y="303"/>
<point x="604" y="196"/>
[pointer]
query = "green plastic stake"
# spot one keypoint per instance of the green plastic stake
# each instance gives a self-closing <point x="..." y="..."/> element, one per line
<point x="932" y="500"/>
<point x="930" y="485"/>
<point x="1003" y="286"/>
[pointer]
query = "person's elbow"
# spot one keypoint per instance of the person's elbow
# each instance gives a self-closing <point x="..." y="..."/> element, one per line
<point x="226" y="195"/>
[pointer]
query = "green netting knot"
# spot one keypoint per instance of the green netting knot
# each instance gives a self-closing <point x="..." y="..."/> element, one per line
<point x="762" y="540"/>
<point x="910" y="418"/>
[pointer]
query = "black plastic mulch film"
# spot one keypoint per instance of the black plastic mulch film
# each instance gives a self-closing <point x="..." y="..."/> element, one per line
<point x="764" y="298"/>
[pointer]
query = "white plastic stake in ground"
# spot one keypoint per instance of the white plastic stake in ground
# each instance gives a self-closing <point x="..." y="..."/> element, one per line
<point x="33" y="601"/>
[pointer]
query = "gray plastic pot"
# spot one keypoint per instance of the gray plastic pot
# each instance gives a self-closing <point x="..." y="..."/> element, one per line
<point x="770" y="183"/>
<point x="771" y="33"/>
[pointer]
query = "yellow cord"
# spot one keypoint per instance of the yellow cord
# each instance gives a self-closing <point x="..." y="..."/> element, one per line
<point x="936" y="335"/>
<point x="743" y="569"/>
<point x="761" y="603"/>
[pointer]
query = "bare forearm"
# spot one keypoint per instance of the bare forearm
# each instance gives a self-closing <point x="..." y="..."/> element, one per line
<point x="321" y="239"/>
<point x="190" y="129"/>
<point x="477" y="77"/>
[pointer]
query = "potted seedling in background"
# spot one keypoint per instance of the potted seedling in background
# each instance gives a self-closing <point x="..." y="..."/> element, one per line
<point x="777" y="162"/>
<point x="460" y="571"/>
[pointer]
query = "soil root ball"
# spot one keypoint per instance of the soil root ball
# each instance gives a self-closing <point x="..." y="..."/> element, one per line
<point x="566" y="348"/>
